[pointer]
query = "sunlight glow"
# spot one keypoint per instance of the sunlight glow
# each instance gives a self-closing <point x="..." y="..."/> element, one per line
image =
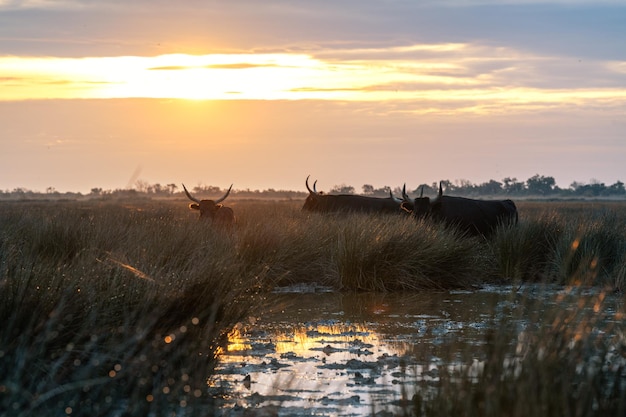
<point x="167" y="76"/>
<point x="438" y="78"/>
<point x="305" y="341"/>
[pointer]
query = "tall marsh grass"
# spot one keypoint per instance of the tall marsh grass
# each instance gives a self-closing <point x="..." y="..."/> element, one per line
<point x="109" y="310"/>
<point x="567" y="359"/>
<point x="121" y="309"/>
<point x="564" y="243"/>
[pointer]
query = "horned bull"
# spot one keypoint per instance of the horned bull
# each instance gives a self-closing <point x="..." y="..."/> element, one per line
<point x="212" y="209"/>
<point x="470" y="216"/>
<point x="326" y="203"/>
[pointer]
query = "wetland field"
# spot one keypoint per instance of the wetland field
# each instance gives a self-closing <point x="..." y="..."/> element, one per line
<point x="136" y="308"/>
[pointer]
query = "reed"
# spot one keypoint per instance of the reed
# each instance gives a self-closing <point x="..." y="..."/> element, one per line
<point x="110" y="310"/>
<point x="525" y="252"/>
<point x="283" y="245"/>
<point x="564" y="243"/>
<point x="561" y="362"/>
<point x="400" y="254"/>
<point x="122" y="307"/>
<point x="592" y="252"/>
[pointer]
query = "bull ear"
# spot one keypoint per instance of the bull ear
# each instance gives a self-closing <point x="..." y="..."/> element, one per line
<point x="194" y="206"/>
<point x="404" y="206"/>
<point x="219" y="205"/>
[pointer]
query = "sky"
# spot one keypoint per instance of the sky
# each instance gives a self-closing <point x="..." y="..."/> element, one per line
<point x="110" y="93"/>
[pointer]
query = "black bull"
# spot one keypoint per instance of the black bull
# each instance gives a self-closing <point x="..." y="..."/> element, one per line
<point x="317" y="201"/>
<point x="473" y="217"/>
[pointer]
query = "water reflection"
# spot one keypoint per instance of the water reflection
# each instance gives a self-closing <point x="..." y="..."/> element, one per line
<point x="351" y="354"/>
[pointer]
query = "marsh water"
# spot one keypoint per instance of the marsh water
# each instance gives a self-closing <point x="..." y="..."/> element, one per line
<point x="316" y="352"/>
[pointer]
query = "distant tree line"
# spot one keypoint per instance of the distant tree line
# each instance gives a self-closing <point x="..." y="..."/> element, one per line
<point x="535" y="186"/>
<point x="143" y="189"/>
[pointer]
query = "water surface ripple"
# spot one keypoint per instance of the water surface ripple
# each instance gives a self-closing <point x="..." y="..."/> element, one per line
<point x="325" y="353"/>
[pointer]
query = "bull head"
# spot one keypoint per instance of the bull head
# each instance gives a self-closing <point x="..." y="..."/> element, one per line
<point x="212" y="209"/>
<point x="419" y="207"/>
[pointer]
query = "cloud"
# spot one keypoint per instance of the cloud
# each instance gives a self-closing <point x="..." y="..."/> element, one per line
<point x="575" y="28"/>
<point x="233" y="66"/>
<point x="477" y="89"/>
<point x="471" y="77"/>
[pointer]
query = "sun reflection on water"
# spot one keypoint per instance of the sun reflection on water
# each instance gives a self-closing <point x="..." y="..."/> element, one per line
<point x="302" y="340"/>
<point x="352" y="355"/>
<point x="314" y="362"/>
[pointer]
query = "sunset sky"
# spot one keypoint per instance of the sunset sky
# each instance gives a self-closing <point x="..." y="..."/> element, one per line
<point x="100" y="94"/>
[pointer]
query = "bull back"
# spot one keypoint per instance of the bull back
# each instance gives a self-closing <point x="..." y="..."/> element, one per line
<point x="326" y="203"/>
<point x="474" y="217"/>
<point x="350" y="203"/>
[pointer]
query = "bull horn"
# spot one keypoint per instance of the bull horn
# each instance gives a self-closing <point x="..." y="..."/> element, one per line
<point x="315" y="187"/>
<point x="405" y="196"/>
<point x="225" y="195"/>
<point x="307" y="186"/>
<point x="422" y="192"/>
<point x="192" y="198"/>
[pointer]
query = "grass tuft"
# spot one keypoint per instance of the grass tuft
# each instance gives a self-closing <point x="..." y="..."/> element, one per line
<point x="563" y="362"/>
<point x="122" y="309"/>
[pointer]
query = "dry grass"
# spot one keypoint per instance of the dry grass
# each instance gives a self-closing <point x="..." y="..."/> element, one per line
<point x="121" y="308"/>
<point x="107" y="309"/>
<point x="567" y="361"/>
<point x="565" y="243"/>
